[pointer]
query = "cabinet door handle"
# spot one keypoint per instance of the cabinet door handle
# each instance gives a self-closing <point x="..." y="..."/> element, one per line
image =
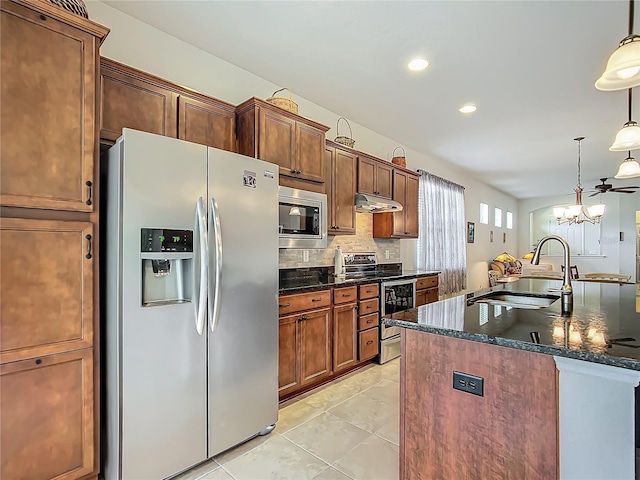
<point x="282" y="305"/>
<point x="304" y="317"/>
<point x="369" y="342"/>
<point x="90" y="192"/>
<point x="88" y="237"/>
<point x="316" y="299"/>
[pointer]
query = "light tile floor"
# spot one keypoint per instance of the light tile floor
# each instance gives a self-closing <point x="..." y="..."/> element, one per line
<point x="348" y="429"/>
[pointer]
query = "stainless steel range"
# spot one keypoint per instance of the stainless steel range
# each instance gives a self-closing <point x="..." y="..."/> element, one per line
<point x="396" y="294"/>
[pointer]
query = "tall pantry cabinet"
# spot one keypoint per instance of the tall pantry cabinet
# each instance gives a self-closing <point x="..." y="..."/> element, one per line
<point x="49" y="74"/>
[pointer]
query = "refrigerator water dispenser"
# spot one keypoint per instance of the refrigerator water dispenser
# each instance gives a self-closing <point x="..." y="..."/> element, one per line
<point x="167" y="266"/>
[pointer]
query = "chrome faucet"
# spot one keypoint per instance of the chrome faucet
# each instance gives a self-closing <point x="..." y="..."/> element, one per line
<point x="567" y="289"/>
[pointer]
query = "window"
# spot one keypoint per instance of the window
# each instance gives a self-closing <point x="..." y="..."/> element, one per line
<point x="497" y="221"/>
<point x="442" y="232"/>
<point x="509" y="220"/>
<point x="484" y="213"/>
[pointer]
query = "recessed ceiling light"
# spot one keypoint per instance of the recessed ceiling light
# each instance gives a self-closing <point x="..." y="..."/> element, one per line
<point x="418" y="64"/>
<point x="469" y="108"/>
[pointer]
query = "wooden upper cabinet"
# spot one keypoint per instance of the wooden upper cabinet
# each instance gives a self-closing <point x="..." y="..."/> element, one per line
<point x="277" y="140"/>
<point x="48" y="93"/>
<point x="47" y="428"/>
<point x="309" y="152"/>
<point x="375" y="177"/>
<point x="46" y="287"/>
<point x="340" y="181"/>
<point x="411" y="205"/>
<point x="207" y="122"/>
<point x="402" y="224"/>
<point x="399" y="195"/>
<point x="293" y="142"/>
<point x="384" y="179"/>
<point x="134" y="99"/>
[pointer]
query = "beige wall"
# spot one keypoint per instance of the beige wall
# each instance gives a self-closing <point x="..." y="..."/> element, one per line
<point x="146" y="48"/>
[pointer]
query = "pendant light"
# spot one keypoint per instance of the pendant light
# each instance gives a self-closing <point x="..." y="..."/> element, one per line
<point x="629" y="168"/>
<point x="623" y="67"/>
<point x="577" y="214"/>
<point x="628" y="137"/>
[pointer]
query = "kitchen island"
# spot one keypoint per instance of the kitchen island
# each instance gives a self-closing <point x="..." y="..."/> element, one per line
<point x="544" y="396"/>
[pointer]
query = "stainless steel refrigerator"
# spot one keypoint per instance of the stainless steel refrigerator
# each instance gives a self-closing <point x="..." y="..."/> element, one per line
<point x="191" y="318"/>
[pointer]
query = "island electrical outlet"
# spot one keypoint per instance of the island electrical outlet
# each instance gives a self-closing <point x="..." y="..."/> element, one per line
<point x="468" y="383"/>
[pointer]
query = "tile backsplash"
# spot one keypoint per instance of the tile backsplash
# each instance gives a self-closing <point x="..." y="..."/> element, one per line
<point x="362" y="241"/>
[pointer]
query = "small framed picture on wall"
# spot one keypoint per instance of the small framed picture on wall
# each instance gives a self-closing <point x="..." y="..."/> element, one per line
<point x="471" y="232"/>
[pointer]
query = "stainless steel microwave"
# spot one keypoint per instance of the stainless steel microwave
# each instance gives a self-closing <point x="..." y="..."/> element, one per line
<point x="302" y="218"/>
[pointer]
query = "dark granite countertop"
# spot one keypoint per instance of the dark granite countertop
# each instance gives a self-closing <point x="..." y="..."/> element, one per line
<point x="311" y="282"/>
<point x="604" y="326"/>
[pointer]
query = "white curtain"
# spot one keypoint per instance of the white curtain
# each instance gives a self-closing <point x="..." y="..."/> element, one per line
<point x="442" y="232"/>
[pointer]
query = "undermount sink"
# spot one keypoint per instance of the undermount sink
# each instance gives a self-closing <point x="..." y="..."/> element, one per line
<point x="517" y="299"/>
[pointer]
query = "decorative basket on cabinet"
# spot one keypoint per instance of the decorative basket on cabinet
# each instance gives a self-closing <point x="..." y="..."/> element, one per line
<point x="401" y="161"/>
<point x="74" y="6"/>
<point x="282" y="102"/>
<point x="341" y="139"/>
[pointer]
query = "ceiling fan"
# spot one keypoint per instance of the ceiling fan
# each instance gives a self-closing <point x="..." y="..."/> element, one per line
<point x="607" y="187"/>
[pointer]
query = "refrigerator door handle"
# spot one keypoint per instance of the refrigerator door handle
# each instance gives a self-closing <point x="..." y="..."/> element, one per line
<point x="201" y="269"/>
<point x="216" y="260"/>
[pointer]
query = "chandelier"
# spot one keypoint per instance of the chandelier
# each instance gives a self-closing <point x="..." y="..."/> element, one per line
<point x="577" y="214"/>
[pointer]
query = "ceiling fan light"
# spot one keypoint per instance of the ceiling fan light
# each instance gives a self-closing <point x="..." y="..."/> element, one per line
<point x="623" y="67"/>
<point x="628" y="169"/>
<point x="596" y="210"/>
<point x="627" y="138"/>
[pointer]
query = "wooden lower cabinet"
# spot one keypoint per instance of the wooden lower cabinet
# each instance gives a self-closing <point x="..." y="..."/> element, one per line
<point x="509" y="432"/>
<point x="345" y="336"/>
<point x="47" y="428"/>
<point x="427" y="290"/>
<point x="304" y="352"/>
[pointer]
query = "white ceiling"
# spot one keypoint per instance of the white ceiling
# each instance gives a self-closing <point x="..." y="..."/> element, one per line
<point x="530" y="67"/>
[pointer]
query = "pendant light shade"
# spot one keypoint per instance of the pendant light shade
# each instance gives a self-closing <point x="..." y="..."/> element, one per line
<point x="628" y="169"/>
<point x="623" y="67"/>
<point x="627" y="138"/>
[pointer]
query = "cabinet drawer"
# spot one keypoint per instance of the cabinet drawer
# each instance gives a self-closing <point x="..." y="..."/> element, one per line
<point x="371" y="290"/>
<point x="368" y="306"/>
<point x="303" y="301"/>
<point x="427" y="282"/>
<point x="368" y="321"/>
<point x="345" y="295"/>
<point x="368" y="344"/>
<point x="432" y="295"/>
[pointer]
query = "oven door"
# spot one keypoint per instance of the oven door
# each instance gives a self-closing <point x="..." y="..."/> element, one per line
<point x="397" y="296"/>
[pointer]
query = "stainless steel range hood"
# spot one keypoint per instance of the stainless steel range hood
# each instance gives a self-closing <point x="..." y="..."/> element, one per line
<point x="373" y="204"/>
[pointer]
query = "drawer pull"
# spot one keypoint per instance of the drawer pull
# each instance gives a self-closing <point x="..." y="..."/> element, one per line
<point x="282" y="305"/>
<point x="369" y="342"/>
<point x="370" y="320"/>
<point x="369" y="291"/>
<point x="346" y="294"/>
<point x="369" y="307"/>
<point x="304" y="317"/>
<point x="316" y="299"/>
